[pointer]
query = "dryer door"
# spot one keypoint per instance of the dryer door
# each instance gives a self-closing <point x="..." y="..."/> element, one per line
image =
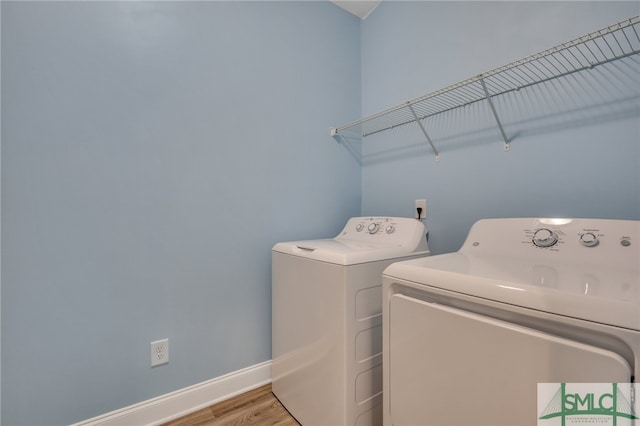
<point x="452" y="367"/>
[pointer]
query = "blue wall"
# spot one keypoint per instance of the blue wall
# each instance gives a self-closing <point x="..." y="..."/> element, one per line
<point x="579" y="164"/>
<point x="152" y="154"/>
<point x="139" y="137"/>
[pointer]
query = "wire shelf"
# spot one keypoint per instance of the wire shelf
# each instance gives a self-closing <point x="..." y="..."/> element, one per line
<point x="615" y="42"/>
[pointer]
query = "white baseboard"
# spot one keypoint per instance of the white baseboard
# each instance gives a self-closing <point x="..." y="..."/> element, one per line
<point x="184" y="401"/>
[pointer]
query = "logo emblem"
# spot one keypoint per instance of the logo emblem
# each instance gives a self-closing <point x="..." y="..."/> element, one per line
<point x="563" y="404"/>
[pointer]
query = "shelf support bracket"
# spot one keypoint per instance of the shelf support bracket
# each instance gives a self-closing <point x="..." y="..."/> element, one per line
<point x="495" y="114"/>
<point x="424" y="131"/>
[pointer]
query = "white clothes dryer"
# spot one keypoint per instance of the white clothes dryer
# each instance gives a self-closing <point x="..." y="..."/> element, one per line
<point x="327" y="319"/>
<point x="469" y="335"/>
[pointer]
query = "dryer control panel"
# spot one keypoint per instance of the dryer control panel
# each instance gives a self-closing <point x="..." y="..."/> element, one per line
<point x="600" y="241"/>
<point x="553" y="233"/>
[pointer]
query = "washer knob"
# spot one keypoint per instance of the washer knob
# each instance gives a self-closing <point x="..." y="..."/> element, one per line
<point x="373" y="228"/>
<point x="390" y="229"/>
<point x="589" y="239"/>
<point x="359" y="227"/>
<point x="545" y="238"/>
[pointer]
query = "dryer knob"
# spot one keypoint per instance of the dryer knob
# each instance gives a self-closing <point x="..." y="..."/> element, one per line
<point x="373" y="228"/>
<point x="545" y="238"/>
<point x="359" y="227"/>
<point x="589" y="239"/>
<point x="390" y="229"/>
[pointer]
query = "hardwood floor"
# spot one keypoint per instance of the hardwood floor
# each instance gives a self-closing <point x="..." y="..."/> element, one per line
<point x="256" y="407"/>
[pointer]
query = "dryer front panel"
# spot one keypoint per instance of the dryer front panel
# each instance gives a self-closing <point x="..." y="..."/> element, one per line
<point x="452" y="367"/>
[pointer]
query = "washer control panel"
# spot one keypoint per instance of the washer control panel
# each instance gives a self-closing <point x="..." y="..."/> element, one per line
<point x="382" y="225"/>
<point x="387" y="230"/>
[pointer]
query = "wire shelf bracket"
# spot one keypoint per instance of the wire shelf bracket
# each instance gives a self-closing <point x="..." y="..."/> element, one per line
<point x="615" y="42"/>
<point x="495" y="114"/>
<point x="424" y="131"/>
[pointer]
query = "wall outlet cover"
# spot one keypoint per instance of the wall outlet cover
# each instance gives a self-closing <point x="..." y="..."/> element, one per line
<point x="159" y="352"/>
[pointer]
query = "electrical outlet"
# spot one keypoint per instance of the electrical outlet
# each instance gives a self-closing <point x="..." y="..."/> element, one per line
<point x="159" y="352"/>
<point x="422" y="205"/>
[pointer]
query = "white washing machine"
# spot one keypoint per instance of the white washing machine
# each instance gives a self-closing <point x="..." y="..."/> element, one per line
<point x="327" y="319"/>
<point x="469" y="335"/>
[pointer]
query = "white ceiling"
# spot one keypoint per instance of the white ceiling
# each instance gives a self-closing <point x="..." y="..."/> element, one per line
<point x="360" y="8"/>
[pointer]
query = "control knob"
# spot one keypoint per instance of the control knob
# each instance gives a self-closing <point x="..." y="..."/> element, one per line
<point x="390" y="229"/>
<point x="373" y="228"/>
<point x="359" y="227"/>
<point x="545" y="238"/>
<point x="589" y="239"/>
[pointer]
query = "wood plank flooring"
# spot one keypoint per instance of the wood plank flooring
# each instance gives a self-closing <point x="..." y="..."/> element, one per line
<point x="256" y="407"/>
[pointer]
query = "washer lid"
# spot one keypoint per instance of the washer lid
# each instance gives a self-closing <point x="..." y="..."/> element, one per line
<point x="364" y="239"/>
<point x="345" y="252"/>
<point x="592" y="293"/>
